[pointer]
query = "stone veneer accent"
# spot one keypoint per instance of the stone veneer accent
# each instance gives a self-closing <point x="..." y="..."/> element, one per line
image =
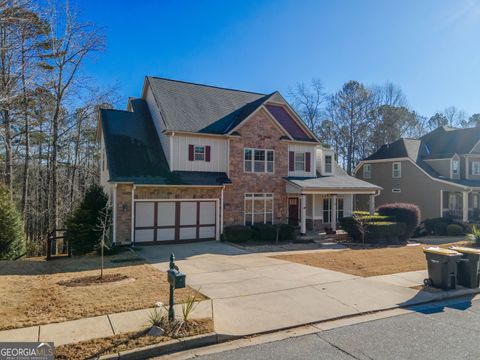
<point x="262" y="133"/>
<point x="124" y="196"/>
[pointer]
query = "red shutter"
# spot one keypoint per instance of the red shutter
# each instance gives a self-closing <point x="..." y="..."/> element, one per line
<point x="307" y="161"/>
<point x="207" y="153"/>
<point x="291" y="161"/>
<point x="191" y="150"/>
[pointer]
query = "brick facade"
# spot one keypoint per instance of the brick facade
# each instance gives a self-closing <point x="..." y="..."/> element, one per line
<point x="258" y="132"/>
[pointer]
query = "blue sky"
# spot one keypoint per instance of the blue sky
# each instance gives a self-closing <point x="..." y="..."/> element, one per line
<point x="430" y="48"/>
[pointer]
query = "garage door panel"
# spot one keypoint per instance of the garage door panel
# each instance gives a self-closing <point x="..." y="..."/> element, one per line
<point x="188" y="213"/>
<point x="207" y="232"/>
<point x="144" y="213"/>
<point x="175" y="220"/>
<point x="144" y="235"/>
<point x="165" y="234"/>
<point x="188" y="233"/>
<point x="207" y="213"/>
<point x="166" y="213"/>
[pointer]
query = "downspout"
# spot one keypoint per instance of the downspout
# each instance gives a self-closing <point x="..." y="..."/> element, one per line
<point x="114" y="205"/>
<point x="221" y="210"/>
<point x="132" y="210"/>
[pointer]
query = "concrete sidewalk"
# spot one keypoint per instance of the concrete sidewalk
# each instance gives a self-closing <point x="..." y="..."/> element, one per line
<point x="95" y="327"/>
<point x="253" y="293"/>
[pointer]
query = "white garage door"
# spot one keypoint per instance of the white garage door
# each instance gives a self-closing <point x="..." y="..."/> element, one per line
<point x="175" y="220"/>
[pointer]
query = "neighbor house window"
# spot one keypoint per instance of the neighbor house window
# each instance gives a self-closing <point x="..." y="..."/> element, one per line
<point x="299" y="161"/>
<point x="328" y="164"/>
<point x="258" y="160"/>
<point x="258" y="208"/>
<point x="455" y="167"/>
<point x="396" y="170"/>
<point x="199" y="154"/>
<point x="475" y="167"/>
<point x="367" y="171"/>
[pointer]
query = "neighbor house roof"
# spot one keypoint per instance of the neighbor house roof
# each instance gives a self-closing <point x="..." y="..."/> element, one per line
<point x="441" y="143"/>
<point x="202" y="108"/>
<point x="135" y="154"/>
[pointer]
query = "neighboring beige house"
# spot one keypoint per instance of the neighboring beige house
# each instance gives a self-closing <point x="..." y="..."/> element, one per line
<point x="185" y="160"/>
<point x="440" y="172"/>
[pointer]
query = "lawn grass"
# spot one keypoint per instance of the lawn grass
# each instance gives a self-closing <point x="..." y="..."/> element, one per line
<point x="114" y="344"/>
<point x="366" y="262"/>
<point x="31" y="292"/>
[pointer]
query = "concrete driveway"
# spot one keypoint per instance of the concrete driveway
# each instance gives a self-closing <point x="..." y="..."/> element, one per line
<point x="253" y="293"/>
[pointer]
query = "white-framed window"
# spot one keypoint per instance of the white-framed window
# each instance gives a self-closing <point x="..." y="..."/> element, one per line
<point x="397" y="170"/>
<point x="299" y="161"/>
<point x="475" y="167"/>
<point x="396" y="190"/>
<point x="455" y="167"/>
<point x="475" y="201"/>
<point x="199" y="153"/>
<point x="328" y="160"/>
<point x="258" y="160"/>
<point x="367" y="171"/>
<point x="258" y="208"/>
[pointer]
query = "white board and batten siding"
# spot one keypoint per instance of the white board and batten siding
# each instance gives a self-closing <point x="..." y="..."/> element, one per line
<point x="158" y="122"/>
<point x="304" y="148"/>
<point x="218" y="154"/>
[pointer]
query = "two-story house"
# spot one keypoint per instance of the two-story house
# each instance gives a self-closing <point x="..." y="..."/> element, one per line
<point x="440" y="172"/>
<point x="185" y="160"/>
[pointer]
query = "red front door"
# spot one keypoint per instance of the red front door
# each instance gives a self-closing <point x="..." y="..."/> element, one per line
<point x="293" y="211"/>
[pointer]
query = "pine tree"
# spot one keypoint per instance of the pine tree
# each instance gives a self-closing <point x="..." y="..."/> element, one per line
<point x="83" y="230"/>
<point x="12" y="236"/>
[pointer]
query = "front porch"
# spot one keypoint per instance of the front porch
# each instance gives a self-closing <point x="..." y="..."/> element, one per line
<point x="319" y="203"/>
<point x="461" y="205"/>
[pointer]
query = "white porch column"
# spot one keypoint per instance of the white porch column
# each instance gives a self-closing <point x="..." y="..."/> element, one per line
<point x="334" y="212"/>
<point x="465" y="206"/>
<point x="303" y="214"/>
<point x="371" y="204"/>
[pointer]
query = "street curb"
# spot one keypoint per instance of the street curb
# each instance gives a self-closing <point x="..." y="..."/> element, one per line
<point x="168" y="347"/>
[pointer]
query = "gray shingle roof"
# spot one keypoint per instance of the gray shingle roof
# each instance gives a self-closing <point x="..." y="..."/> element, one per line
<point x="135" y="154"/>
<point x="201" y="108"/>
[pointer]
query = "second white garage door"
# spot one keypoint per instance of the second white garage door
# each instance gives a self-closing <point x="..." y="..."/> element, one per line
<point x="175" y="220"/>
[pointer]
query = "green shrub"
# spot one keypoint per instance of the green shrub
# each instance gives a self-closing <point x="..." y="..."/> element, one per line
<point x="474" y="235"/>
<point x="83" y="228"/>
<point x="440" y="228"/>
<point x="403" y="213"/>
<point x="386" y="231"/>
<point x="237" y="233"/>
<point x="455" y="230"/>
<point x="264" y="232"/>
<point x="12" y="236"/>
<point x="350" y="226"/>
<point x="287" y="233"/>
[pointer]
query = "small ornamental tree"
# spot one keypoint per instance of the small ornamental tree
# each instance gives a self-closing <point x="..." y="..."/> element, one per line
<point x="405" y="213"/>
<point x="83" y="228"/>
<point x="12" y="236"/>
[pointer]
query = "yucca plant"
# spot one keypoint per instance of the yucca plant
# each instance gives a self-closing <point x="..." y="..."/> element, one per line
<point x="474" y="235"/>
<point x="157" y="317"/>
<point x="180" y="327"/>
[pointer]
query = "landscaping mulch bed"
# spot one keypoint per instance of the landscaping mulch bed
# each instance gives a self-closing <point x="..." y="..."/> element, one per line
<point x="94" y="280"/>
<point x="114" y="344"/>
<point x="371" y="261"/>
<point x="31" y="294"/>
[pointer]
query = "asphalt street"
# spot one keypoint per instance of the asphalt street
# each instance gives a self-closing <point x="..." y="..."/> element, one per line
<point x="445" y="332"/>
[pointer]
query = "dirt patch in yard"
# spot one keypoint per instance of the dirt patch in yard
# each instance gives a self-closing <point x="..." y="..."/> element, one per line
<point x="95" y="280"/>
<point x="366" y="262"/>
<point x="30" y="293"/>
<point x="114" y="344"/>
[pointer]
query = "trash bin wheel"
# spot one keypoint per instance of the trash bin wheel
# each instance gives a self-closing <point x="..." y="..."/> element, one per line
<point x="428" y="282"/>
